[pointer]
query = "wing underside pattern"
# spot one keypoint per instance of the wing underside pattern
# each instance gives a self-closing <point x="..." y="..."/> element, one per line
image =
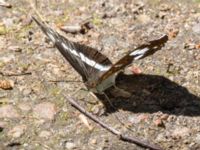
<point x="138" y="53"/>
<point x="85" y="60"/>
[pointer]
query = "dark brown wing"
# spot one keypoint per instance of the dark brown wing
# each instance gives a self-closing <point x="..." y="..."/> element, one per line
<point x="138" y="53"/>
<point x="85" y="60"/>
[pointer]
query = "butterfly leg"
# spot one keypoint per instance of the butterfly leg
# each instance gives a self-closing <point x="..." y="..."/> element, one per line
<point x="109" y="101"/>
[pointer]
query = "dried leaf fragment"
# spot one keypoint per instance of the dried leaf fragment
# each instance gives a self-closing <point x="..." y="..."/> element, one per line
<point x="85" y="121"/>
<point x="173" y="33"/>
<point x="79" y="28"/>
<point x="72" y="29"/>
<point x="6" y="84"/>
<point x="197" y="46"/>
<point x="136" y="70"/>
<point x="5" y="4"/>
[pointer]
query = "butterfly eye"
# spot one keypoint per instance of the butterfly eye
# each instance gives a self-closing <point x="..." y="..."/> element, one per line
<point x="90" y="84"/>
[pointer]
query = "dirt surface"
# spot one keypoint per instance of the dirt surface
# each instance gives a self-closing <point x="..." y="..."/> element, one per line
<point x="165" y="104"/>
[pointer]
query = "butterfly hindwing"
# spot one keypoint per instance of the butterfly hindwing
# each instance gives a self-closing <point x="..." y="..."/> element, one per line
<point x="138" y="53"/>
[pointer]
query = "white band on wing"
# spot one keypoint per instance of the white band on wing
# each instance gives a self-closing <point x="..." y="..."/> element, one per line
<point x="86" y="60"/>
<point x="51" y="37"/>
<point x="139" y="53"/>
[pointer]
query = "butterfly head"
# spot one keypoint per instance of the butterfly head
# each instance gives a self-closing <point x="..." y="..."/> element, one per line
<point x="91" y="83"/>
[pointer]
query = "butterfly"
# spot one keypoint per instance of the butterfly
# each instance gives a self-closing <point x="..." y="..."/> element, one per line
<point x="97" y="71"/>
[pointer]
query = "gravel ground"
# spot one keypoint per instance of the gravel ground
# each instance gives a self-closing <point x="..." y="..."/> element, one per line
<point x="165" y="104"/>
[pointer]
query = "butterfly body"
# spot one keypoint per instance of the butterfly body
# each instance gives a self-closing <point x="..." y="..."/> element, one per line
<point x="100" y="88"/>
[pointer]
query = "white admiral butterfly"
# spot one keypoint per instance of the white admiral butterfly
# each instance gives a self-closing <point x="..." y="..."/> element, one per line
<point x="96" y="70"/>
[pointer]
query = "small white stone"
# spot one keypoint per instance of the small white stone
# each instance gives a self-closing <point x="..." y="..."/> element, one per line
<point x="181" y="132"/>
<point x="45" y="134"/>
<point x="70" y="145"/>
<point x="24" y="107"/>
<point x="8" y="111"/>
<point x="197" y="139"/>
<point x="17" y="131"/>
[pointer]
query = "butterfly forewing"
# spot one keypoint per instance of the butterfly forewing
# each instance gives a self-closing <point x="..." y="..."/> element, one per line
<point x="85" y="60"/>
<point x="138" y="53"/>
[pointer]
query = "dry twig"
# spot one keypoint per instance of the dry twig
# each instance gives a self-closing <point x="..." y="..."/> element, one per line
<point x="110" y="129"/>
<point x="15" y="74"/>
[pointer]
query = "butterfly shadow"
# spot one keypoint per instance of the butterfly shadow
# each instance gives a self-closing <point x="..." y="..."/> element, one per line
<point x="153" y="93"/>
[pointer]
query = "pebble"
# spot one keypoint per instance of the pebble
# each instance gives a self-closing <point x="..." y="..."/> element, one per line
<point x="6" y="84"/>
<point x="7" y="59"/>
<point x="70" y="145"/>
<point x="8" y="22"/>
<point x="8" y="111"/>
<point x="17" y="131"/>
<point x="45" y="110"/>
<point x="164" y="7"/>
<point x="59" y="12"/>
<point x="144" y="19"/>
<point x="196" y="28"/>
<point x="109" y="41"/>
<point x="160" y="137"/>
<point x="24" y="107"/>
<point x="158" y="122"/>
<point x="26" y="20"/>
<point x="197" y="139"/>
<point x="93" y="141"/>
<point x="137" y="119"/>
<point x="15" y="48"/>
<point x="3" y="124"/>
<point x="135" y="70"/>
<point x="27" y="92"/>
<point x="45" y="134"/>
<point x="180" y="132"/>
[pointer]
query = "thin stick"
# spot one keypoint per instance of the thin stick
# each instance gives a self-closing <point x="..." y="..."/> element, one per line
<point x="33" y="6"/>
<point x="110" y="129"/>
<point x="15" y="74"/>
<point x="57" y="81"/>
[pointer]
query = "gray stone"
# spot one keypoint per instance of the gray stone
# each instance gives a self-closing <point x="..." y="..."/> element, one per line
<point x="8" y="111"/>
<point x="45" y="110"/>
<point x="196" y="28"/>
